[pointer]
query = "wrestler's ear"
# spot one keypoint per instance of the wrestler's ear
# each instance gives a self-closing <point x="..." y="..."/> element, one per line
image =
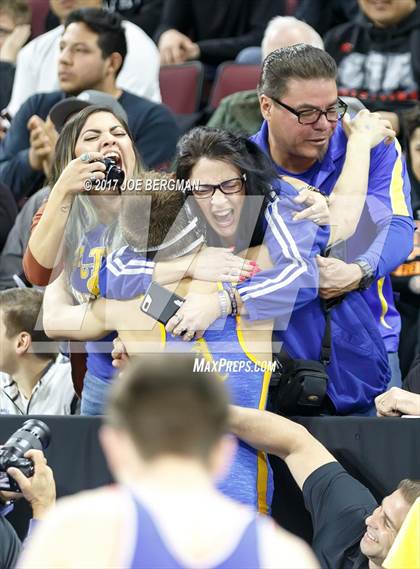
<point x="222" y="456"/>
<point x="120" y="452"/>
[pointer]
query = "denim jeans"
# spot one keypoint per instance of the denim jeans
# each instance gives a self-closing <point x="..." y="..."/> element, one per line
<point x="394" y="364"/>
<point x="94" y="395"/>
<point x="249" y="56"/>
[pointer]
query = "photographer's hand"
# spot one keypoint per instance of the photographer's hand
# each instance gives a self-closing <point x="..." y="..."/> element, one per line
<point x="39" y="489"/>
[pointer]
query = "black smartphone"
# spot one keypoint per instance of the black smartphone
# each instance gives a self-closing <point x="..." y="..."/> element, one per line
<point x="160" y="303"/>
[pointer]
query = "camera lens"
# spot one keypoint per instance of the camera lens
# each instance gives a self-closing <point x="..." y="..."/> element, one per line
<point x="33" y="434"/>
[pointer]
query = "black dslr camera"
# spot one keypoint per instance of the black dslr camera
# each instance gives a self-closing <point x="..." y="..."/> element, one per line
<point x="114" y="176"/>
<point x="33" y="434"/>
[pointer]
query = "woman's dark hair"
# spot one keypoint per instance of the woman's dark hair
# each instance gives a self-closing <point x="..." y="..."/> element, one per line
<point x="217" y="144"/>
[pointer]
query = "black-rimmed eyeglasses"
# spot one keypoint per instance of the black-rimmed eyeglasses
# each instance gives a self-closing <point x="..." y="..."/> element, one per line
<point x="232" y="186"/>
<point x="311" y="116"/>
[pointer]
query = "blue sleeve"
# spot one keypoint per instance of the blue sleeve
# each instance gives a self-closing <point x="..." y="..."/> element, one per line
<point x="388" y="201"/>
<point x="156" y="144"/>
<point x="15" y="170"/>
<point x="293" y="280"/>
<point x="391" y="247"/>
<point x="124" y="274"/>
<point x="389" y="185"/>
<point x="33" y="523"/>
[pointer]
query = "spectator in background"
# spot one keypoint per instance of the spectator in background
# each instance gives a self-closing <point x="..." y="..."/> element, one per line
<point x="412" y="381"/>
<point x="240" y="112"/>
<point x="14" y="33"/>
<point x="406" y="278"/>
<point x="93" y="50"/>
<point x="412" y="130"/>
<point x="33" y="378"/>
<point x="36" y="70"/>
<point x="144" y="13"/>
<point x="326" y="14"/>
<point x="212" y="32"/>
<point x="397" y="402"/>
<point x="17" y="236"/>
<point x="378" y="56"/>
<point x="8" y="212"/>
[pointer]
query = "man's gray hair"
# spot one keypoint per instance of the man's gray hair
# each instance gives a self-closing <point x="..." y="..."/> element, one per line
<point x="285" y="24"/>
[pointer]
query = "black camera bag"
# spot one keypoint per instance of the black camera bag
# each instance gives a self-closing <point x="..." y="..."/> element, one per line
<point x="298" y="387"/>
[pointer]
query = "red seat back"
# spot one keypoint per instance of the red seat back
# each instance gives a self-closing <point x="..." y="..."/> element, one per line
<point x="39" y="10"/>
<point x="231" y="78"/>
<point x="181" y="86"/>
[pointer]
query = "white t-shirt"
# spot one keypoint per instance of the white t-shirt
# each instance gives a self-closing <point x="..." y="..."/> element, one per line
<point x="36" y="66"/>
<point x="52" y="395"/>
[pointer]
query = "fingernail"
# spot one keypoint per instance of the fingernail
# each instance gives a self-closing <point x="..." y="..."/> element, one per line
<point x="253" y="263"/>
<point x="243" y="278"/>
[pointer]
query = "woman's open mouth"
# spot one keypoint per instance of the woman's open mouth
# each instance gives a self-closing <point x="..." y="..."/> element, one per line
<point x="224" y="218"/>
<point x="116" y="157"/>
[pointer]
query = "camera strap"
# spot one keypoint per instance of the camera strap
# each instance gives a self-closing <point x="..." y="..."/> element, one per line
<point x="325" y="357"/>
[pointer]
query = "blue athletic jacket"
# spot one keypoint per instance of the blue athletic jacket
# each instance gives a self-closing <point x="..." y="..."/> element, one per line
<point x="384" y="236"/>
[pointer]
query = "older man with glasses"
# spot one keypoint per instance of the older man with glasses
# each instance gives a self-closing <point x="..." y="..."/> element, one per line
<point x="304" y="136"/>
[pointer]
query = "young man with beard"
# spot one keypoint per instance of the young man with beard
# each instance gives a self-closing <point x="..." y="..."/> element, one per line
<point x="92" y="52"/>
<point x="36" y="70"/>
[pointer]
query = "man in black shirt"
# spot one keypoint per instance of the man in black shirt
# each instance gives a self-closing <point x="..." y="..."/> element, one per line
<point x="212" y="32"/>
<point x="351" y="531"/>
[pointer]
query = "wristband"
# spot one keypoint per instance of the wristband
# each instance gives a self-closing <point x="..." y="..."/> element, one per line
<point x="233" y="302"/>
<point x="223" y="303"/>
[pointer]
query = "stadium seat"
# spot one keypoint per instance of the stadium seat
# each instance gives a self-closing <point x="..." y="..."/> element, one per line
<point x="231" y="78"/>
<point x="291" y="6"/>
<point x="39" y="10"/>
<point x="181" y="87"/>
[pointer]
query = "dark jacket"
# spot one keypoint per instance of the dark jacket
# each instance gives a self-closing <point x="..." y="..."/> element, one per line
<point x="220" y="27"/>
<point x="8" y="213"/>
<point x="10" y="545"/>
<point x="326" y="14"/>
<point x="152" y="125"/>
<point x="143" y="13"/>
<point x="380" y="66"/>
<point x="7" y="75"/>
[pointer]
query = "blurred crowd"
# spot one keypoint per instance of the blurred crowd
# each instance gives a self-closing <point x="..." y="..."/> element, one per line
<point x="281" y="241"/>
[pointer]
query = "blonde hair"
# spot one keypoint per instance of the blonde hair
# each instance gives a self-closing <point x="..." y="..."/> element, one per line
<point x="83" y="215"/>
